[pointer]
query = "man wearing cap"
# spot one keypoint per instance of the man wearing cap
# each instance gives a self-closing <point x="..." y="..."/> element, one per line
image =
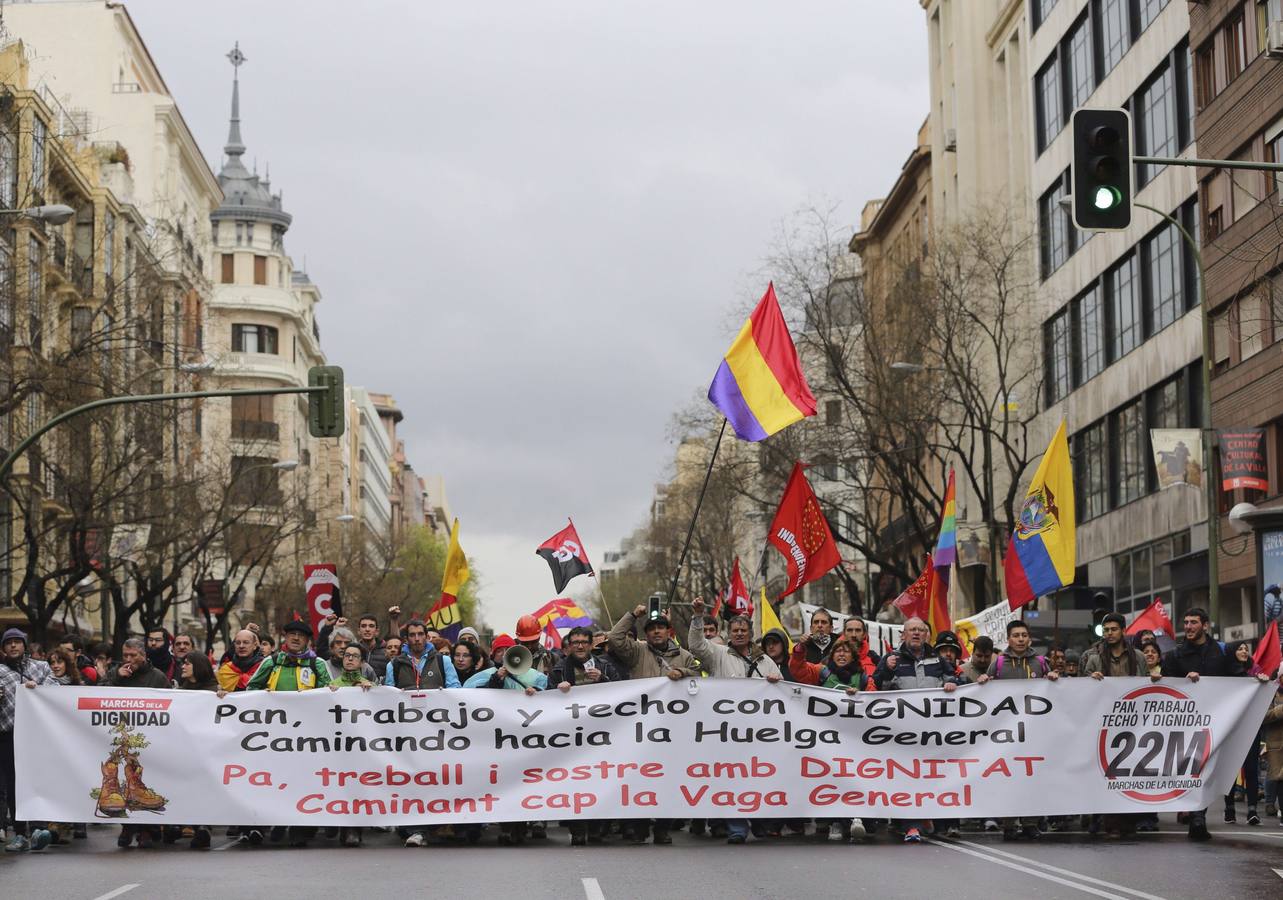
<point x="657" y="656"/>
<point x="530" y="636"/>
<point x="17" y="668"/>
<point x="295" y="667"/>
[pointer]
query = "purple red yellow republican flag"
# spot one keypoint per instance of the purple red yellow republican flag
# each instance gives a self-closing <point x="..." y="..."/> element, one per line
<point x="759" y="386"/>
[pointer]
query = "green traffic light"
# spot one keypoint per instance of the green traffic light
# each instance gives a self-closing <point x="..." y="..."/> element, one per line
<point x="1106" y="198"/>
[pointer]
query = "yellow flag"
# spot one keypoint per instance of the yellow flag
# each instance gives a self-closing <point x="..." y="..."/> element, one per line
<point x="771" y="620"/>
<point x="456" y="565"/>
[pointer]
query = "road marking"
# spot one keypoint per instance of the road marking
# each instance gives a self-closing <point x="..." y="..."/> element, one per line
<point x="232" y="843"/>
<point x="1058" y="870"/>
<point x="1279" y="872"/>
<point x="1047" y="876"/>
<point x="592" y="890"/>
<point x="123" y="889"/>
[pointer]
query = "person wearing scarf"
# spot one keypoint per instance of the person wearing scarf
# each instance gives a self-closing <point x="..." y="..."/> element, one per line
<point x="820" y="642"/>
<point x="295" y="667"/>
<point x="239" y="664"/>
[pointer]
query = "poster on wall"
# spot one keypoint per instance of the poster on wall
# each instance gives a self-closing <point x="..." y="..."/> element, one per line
<point x="1271" y="573"/>
<point x="1178" y="456"/>
<point x="1243" y="460"/>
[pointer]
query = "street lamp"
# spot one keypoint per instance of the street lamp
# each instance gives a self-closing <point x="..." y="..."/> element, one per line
<point x="286" y="465"/>
<point x="196" y="368"/>
<point x="908" y="367"/>
<point x="345" y="518"/>
<point x="54" y="213"/>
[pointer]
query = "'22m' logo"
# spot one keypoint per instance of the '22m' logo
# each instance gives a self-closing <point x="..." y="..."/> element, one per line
<point x="1159" y="754"/>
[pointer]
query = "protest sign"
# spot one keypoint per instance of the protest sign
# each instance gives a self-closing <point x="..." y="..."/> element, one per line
<point x="703" y="748"/>
<point x="882" y="636"/>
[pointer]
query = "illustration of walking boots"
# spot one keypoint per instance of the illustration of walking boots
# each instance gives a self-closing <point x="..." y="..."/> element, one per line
<point x="111" y="802"/>
<point x="137" y="794"/>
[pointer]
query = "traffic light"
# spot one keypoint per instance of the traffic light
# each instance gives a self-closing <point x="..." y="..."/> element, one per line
<point x="1102" y="171"/>
<point x="325" y="414"/>
<point x="1100" y="598"/>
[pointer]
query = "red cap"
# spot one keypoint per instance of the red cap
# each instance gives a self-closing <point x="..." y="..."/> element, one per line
<point x="528" y="629"/>
<point x="502" y="642"/>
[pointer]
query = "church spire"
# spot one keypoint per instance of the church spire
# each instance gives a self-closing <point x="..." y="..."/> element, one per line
<point x="235" y="146"/>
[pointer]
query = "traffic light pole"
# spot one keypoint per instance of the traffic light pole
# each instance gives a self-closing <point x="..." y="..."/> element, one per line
<point x="1209" y="164"/>
<point x="1211" y="495"/>
<point x="30" y="439"/>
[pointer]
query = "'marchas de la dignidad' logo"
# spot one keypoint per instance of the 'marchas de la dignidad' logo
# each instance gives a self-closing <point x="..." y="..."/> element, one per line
<point x="1154" y="744"/>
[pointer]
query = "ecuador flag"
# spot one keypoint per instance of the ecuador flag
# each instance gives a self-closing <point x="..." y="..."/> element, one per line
<point x="1041" y="555"/>
<point x="759" y="386"/>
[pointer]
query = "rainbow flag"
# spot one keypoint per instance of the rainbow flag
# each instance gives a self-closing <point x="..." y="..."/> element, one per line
<point x="1042" y="554"/>
<point x="759" y="386"/>
<point x="946" y="552"/>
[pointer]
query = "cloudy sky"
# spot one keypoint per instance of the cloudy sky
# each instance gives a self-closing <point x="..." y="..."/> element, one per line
<point x="529" y="219"/>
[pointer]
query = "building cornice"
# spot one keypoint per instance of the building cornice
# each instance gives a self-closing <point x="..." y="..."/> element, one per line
<point x="1002" y="24"/>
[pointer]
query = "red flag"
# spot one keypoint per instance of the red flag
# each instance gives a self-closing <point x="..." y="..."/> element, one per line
<point x="1268" y="654"/>
<point x="566" y="556"/>
<point x="296" y="616"/>
<point x="738" y="603"/>
<point x="1155" y="619"/>
<point x="322" y="583"/>
<point x="551" y="637"/>
<point x="800" y="532"/>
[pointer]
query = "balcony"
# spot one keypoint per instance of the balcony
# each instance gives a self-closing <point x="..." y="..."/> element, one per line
<point x="253" y="430"/>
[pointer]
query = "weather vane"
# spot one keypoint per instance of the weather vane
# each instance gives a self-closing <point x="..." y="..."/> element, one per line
<point x="236" y="56"/>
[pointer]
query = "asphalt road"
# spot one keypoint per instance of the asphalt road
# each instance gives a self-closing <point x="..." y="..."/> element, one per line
<point x="1240" y="862"/>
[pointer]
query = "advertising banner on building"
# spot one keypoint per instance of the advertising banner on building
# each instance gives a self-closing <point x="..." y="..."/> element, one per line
<point x="1178" y="456"/>
<point x="703" y="748"/>
<point x="1243" y="462"/>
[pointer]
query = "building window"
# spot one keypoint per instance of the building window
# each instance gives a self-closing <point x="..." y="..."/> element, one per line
<point x="82" y="325"/>
<point x="1148" y="12"/>
<point x="240" y="233"/>
<point x="109" y="244"/>
<point x="1047" y="93"/>
<point x="254" y="339"/>
<point x="1039" y="10"/>
<point x="39" y="135"/>
<point x="1129" y="443"/>
<point x="1078" y="56"/>
<point x="1168" y="404"/>
<point x="1115" y="33"/>
<point x="1164" y="263"/>
<point x="1124" y="301"/>
<point x="229" y="268"/>
<point x="1236" y="52"/>
<point x="8" y="165"/>
<point x="1092" y="462"/>
<point x="1059" y="356"/>
<point x="1056" y="230"/>
<point x="6" y="295"/>
<point x="1157" y="134"/>
<point x="254" y="419"/>
<point x="254" y="481"/>
<point x="833" y="412"/>
<point x="1091" y="333"/>
<point x="249" y="233"/>
<point x="1251" y="326"/>
<point x="260" y="270"/>
<point x="35" y="298"/>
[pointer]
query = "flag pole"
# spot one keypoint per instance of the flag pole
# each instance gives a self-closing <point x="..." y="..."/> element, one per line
<point x="681" y="560"/>
<point x="593" y="574"/>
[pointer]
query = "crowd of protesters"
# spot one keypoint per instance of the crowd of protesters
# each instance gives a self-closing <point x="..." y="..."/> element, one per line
<point x="642" y="644"/>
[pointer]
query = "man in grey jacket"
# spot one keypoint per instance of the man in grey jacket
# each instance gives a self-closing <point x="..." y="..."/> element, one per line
<point x="741" y="657"/>
<point x="658" y="655"/>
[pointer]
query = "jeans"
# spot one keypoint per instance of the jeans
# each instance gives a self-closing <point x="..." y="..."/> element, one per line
<point x="9" y="782"/>
<point x="737" y="828"/>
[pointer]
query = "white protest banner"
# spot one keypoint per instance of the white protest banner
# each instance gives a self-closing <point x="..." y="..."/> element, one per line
<point x="703" y="748"/>
<point x="990" y="621"/>
<point x="881" y="636"/>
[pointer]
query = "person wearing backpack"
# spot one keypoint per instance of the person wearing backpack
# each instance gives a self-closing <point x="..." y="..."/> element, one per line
<point x="419" y="666"/>
<point x="1019" y="662"/>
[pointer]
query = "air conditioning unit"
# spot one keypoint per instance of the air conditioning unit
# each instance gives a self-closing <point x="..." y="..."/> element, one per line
<point x="1243" y="632"/>
<point x="951" y="134"/>
<point x="1274" y="40"/>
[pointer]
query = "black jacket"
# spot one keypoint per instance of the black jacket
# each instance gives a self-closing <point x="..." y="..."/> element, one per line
<point x="146" y="677"/>
<point x="566" y="669"/>
<point x="1207" y="659"/>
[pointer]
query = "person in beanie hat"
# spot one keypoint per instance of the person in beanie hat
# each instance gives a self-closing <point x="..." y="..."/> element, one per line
<point x="17" y="668"/>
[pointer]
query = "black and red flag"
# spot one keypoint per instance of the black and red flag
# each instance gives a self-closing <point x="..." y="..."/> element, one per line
<point x="566" y="556"/>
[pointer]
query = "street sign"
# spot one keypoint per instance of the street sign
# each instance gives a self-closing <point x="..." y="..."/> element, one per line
<point x="325" y="409"/>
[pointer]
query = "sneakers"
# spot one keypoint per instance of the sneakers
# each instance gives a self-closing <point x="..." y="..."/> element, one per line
<point x="835" y="832"/>
<point x="1252" y="817"/>
<point x="991" y="824"/>
<point x="662" y="837"/>
<point x="857" y="830"/>
<point x="736" y="839"/>
<point x="1230" y="817"/>
<point x="913" y="836"/>
<point x="579" y="840"/>
<point x="200" y="839"/>
<point x="17" y="844"/>
<point x="415" y="840"/>
<point x="1030" y="833"/>
<point x="538" y="831"/>
<point x="953" y="831"/>
<point x="255" y="836"/>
